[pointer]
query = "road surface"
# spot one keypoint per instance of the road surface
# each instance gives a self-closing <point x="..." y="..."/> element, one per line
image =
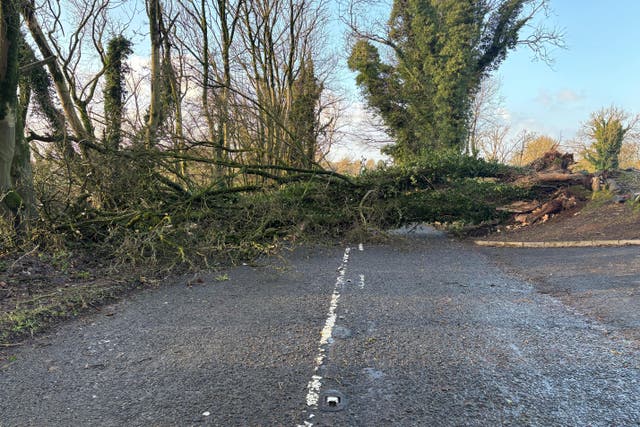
<point x="420" y="331"/>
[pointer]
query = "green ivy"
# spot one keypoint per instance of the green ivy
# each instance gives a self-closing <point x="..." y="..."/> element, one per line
<point x="118" y="50"/>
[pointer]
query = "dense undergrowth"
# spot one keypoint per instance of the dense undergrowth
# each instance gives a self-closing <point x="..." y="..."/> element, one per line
<point x="89" y="255"/>
<point x="200" y="228"/>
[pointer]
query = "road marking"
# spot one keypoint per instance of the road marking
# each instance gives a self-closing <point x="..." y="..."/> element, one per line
<point x="361" y="284"/>
<point x="315" y="384"/>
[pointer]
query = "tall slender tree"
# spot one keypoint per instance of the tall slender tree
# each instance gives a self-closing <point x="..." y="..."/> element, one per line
<point x="154" y="13"/>
<point x="118" y="49"/>
<point x="303" y="119"/>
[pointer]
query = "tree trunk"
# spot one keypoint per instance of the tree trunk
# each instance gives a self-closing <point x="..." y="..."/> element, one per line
<point x="22" y="169"/>
<point x="7" y="148"/>
<point x="155" y="105"/>
<point x="173" y="88"/>
<point x="59" y="81"/>
<point x="9" y="31"/>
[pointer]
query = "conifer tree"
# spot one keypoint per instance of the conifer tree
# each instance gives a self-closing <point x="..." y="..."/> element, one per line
<point x="607" y="133"/>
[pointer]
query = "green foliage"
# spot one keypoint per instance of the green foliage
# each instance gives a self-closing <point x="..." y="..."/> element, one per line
<point x="607" y="132"/>
<point x="118" y="49"/>
<point x="155" y="225"/>
<point x="442" y="49"/>
<point x="303" y="119"/>
<point x="468" y="201"/>
<point x="37" y="83"/>
<point x="435" y="168"/>
<point x="442" y="187"/>
<point x="12" y="200"/>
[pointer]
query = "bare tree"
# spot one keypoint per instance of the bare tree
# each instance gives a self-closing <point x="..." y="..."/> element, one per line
<point x="487" y="117"/>
<point x="490" y="133"/>
<point x="154" y="13"/>
<point x="256" y="66"/>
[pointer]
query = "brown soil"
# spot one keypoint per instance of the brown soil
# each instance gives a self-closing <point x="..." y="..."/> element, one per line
<point x="38" y="290"/>
<point x="592" y="221"/>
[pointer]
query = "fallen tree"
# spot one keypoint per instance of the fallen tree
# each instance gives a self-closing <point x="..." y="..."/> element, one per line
<point x="553" y="169"/>
<point x="552" y="180"/>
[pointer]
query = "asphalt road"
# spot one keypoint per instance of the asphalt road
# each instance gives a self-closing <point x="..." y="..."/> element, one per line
<point x="423" y="331"/>
<point x="602" y="283"/>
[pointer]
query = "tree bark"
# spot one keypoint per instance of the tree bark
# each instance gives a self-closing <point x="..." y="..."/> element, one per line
<point x="7" y="118"/>
<point x="9" y="31"/>
<point x="554" y="178"/>
<point x="7" y="148"/>
<point x="155" y="106"/>
<point x="59" y="81"/>
<point x="21" y="167"/>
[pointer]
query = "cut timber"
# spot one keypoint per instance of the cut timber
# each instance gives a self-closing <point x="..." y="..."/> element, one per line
<point x="553" y="206"/>
<point x="550" y="179"/>
<point x="520" y="207"/>
<point x="555" y="178"/>
<point x="552" y="160"/>
<point x="521" y="218"/>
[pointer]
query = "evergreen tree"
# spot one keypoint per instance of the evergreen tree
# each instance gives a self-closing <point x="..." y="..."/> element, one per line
<point x="607" y="132"/>
<point x="442" y="50"/>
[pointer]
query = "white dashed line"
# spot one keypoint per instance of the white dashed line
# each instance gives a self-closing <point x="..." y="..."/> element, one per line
<point x="361" y="283"/>
<point x="313" y="388"/>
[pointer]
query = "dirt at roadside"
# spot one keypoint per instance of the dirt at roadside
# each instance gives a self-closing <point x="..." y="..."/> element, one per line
<point x="610" y="212"/>
<point x="612" y="221"/>
<point x="37" y="291"/>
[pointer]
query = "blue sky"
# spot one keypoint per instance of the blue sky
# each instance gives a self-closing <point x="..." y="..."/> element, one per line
<point x="600" y="67"/>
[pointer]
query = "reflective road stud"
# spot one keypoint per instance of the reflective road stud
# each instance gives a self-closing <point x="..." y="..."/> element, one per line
<point x="332" y="401"/>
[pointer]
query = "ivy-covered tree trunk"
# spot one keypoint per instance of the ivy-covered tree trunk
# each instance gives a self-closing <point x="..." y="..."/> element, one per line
<point x="303" y="121"/>
<point x="21" y="167"/>
<point x="35" y="87"/>
<point x="7" y="145"/>
<point x="62" y="88"/>
<point x="9" y="34"/>
<point x="118" y="50"/>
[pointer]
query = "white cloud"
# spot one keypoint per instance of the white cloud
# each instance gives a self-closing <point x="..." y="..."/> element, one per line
<point x="559" y="99"/>
<point x="568" y="95"/>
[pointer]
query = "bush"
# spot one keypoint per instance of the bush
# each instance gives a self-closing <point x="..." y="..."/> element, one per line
<point x="607" y="133"/>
